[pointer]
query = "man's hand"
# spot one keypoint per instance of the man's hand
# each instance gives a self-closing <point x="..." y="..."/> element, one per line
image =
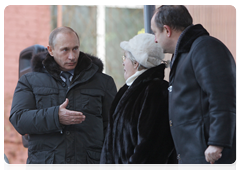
<point x="213" y="153"/>
<point x="68" y="117"/>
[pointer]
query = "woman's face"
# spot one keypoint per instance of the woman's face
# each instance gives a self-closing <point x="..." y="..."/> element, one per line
<point x="129" y="67"/>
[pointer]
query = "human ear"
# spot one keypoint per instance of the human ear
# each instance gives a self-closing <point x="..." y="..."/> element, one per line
<point x="135" y="64"/>
<point x="168" y="30"/>
<point x="50" y="50"/>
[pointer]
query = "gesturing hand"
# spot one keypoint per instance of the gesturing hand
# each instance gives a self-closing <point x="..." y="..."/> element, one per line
<point x="69" y="117"/>
<point x="213" y="153"/>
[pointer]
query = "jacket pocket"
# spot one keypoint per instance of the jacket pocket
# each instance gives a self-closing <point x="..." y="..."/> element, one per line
<point x="45" y="97"/>
<point x="41" y="157"/>
<point x="93" y="157"/>
<point x="91" y="101"/>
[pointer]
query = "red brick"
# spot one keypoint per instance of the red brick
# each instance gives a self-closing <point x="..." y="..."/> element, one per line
<point x="24" y="25"/>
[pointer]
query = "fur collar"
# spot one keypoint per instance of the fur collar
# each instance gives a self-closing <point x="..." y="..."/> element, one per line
<point x="186" y="39"/>
<point x="43" y="62"/>
<point x="188" y="36"/>
<point x="149" y="75"/>
<point x="154" y="73"/>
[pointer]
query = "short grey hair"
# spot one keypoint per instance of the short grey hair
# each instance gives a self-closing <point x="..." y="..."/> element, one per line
<point x="129" y="55"/>
<point x="55" y="32"/>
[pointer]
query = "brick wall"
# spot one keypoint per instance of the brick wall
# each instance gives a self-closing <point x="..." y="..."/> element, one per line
<point x="219" y="21"/>
<point x="23" y="26"/>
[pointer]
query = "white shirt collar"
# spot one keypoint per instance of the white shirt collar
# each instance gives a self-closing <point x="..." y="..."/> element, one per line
<point x="131" y="79"/>
<point x="71" y="71"/>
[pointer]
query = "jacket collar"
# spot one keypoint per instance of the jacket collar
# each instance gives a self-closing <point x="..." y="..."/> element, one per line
<point x="186" y="39"/>
<point x="124" y="93"/>
<point x="44" y="62"/>
<point x="152" y="73"/>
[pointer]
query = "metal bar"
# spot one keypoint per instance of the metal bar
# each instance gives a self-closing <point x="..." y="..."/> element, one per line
<point x="148" y="13"/>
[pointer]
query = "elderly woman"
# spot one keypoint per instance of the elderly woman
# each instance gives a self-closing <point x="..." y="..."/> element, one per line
<point x="138" y="129"/>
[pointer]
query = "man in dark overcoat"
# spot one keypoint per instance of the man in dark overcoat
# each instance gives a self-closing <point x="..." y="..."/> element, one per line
<point x="63" y="103"/>
<point x="202" y="88"/>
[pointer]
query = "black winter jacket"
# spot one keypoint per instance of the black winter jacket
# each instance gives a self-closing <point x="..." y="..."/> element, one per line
<point x="138" y="130"/>
<point x="202" y="97"/>
<point x="36" y="102"/>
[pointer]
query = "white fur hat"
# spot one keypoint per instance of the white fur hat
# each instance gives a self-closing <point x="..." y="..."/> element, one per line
<point x="144" y="50"/>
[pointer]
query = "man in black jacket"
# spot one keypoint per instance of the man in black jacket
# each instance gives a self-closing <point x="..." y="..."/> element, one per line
<point x="63" y="104"/>
<point x="202" y="88"/>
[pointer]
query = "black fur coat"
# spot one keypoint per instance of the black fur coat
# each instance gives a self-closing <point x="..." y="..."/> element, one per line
<point x="138" y="129"/>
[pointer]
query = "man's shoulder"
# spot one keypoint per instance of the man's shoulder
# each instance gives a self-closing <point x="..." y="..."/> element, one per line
<point x="103" y="75"/>
<point x="207" y="41"/>
<point x="33" y="74"/>
<point x="32" y="77"/>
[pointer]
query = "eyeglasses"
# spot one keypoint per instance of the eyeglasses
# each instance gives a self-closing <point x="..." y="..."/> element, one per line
<point x="124" y="57"/>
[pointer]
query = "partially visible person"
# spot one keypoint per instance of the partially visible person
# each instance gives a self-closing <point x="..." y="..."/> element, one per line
<point x="138" y="130"/>
<point x="63" y="104"/>
<point x="202" y="88"/>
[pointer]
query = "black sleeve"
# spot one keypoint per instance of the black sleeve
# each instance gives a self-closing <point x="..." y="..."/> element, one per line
<point x="24" y="115"/>
<point x="215" y="70"/>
